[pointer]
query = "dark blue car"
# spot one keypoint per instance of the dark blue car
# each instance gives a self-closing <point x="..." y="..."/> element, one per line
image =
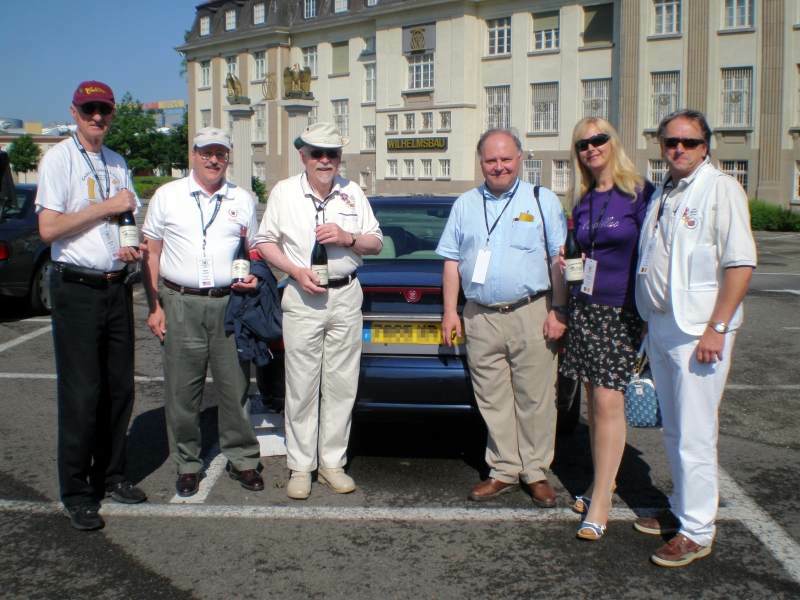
<point x="404" y="367"/>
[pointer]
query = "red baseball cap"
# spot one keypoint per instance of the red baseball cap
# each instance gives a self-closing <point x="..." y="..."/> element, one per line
<point x="93" y="91"/>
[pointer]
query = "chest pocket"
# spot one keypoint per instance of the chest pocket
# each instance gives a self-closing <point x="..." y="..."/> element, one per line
<point x="526" y="235"/>
<point x="347" y="221"/>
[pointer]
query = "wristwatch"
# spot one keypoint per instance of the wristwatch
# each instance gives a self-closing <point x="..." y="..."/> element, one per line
<point x="561" y="309"/>
<point x="719" y="326"/>
<point x="353" y="243"/>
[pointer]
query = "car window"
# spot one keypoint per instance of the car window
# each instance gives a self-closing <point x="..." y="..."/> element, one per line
<point x="18" y="205"/>
<point x="410" y="232"/>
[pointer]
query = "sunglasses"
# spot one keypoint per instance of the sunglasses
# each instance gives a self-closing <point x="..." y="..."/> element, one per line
<point x="91" y="108"/>
<point x="318" y="153"/>
<point x="220" y="155"/>
<point x="688" y="143"/>
<point x="595" y="141"/>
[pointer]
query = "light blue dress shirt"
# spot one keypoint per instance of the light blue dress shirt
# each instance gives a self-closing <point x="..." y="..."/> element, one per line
<point x="518" y="264"/>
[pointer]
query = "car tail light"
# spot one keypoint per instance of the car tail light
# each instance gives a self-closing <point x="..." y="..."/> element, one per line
<point x="4" y="253"/>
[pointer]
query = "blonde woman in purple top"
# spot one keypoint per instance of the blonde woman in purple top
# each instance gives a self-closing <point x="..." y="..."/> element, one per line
<point x="604" y="329"/>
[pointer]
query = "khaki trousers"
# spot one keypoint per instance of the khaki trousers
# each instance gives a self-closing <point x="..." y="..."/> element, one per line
<point x="322" y="338"/>
<point x="513" y="374"/>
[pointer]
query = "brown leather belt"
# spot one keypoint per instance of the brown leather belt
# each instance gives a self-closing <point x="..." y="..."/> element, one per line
<point x="507" y="308"/>
<point x="213" y="292"/>
<point x="337" y="283"/>
<point x="86" y="276"/>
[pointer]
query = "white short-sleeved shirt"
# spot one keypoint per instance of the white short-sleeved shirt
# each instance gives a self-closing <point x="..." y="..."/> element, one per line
<point x="174" y="218"/>
<point x="291" y="217"/>
<point x="68" y="185"/>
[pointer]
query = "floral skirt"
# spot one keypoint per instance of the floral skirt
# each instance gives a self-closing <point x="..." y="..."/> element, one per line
<point x="602" y="343"/>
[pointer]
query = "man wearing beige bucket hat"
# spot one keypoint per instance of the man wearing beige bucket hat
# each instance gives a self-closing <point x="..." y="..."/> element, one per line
<point x="321" y="322"/>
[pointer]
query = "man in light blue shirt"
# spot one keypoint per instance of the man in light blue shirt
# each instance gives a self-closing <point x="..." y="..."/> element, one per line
<point x="494" y="247"/>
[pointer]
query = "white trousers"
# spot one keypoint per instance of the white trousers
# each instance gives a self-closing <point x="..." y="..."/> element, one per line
<point x="689" y="393"/>
<point x="322" y="338"/>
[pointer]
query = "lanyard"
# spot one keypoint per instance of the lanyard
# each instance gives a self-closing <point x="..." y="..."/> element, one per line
<point x="668" y="188"/>
<point x="593" y="227"/>
<point x="489" y="230"/>
<point x="103" y="194"/>
<point x="319" y="207"/>
<point x="205" y="226"/>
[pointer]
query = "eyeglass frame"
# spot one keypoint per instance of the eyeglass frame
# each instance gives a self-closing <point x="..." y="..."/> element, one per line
<point x="583" y="145"/>
<point x="220" y="155"/>
<point x="687" y="143"/>
<point x="90" y="109"/>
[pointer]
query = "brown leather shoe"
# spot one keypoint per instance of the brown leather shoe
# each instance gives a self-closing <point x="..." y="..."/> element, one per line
<point x="679" y="552"/>
<point x="542" y="494"/>
<point x="188" y="484"/>
<point x="664" y="523"/>
<point x="249" y="479"/>
<point x="491" y="488"/>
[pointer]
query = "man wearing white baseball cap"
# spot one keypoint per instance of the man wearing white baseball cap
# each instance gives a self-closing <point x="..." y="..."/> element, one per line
<point x="192" y="231"/>
<point x="321" y="321"/>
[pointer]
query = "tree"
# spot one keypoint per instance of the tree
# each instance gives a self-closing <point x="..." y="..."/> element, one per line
<point x="24" y="154"/>
<point x="133" y="135"/>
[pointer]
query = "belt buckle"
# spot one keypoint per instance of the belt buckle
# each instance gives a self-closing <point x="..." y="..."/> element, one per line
<point x="505" y="309"/>
<point x="216" y="293"/>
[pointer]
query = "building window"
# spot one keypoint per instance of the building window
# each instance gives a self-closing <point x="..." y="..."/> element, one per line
<point x="427" y="121"/>
<point x="738" y="13"/>
<point x="392" y="127"/>
<point x="391" y="168"/>
<point x="340" y="64"/>
<point x="372" y="2"/>
<point x="260" y="171"/>
<point x="420" y="71"/>
<point x="230" y="124"/>
<point x="364" y="179"/>
<point x="230" y="20"/>
<point x="498" y="106"/>
<point x="259" y="13"/>
<point x="370" y="82"/>
<point x="444" y="120"/>
<point x="532" y="171"/>
<point x="231" y="67"/>
<point x="341" y="116"/>
<point x="499" y="36"/>
<point x="309" y="9"/>
<point x="369" y="137"/>
<point x="595" y="97"/>
<point x="259" y="123"/>
<point x="408" y="167"/>
<point x="796" y="195"/>
<point x="736" y="169"/>
<point x="427" y="167"/>
<point x="410" y="122"/>
<point x="310" y="59"/>
<point x="205" y="25"/>
<point x="665" y="90"/>
<point x="261" y="64"/>
<point x="205" y="73"/>
<point x="544" y="107"/>
<point x="736" y="97"/>
<point x="313" y="115"/>
<point x="561" y="173"/>
<point x="667" y="17"/>
<point x="598" y="24"/>
<point x="369" y="45"/>
<point x="657" y="171"/>
<point x="340" y="6"/>
<point x="444" y="168"/>
<point x="545" y="30"/>
<point x="205" y="118"/>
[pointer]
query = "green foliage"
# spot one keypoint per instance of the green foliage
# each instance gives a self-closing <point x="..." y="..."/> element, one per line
<point x="770" y="217"/>
<point x="146" y="185"/>
<point x="259" y="189"/>
<point x="24" y="154"/>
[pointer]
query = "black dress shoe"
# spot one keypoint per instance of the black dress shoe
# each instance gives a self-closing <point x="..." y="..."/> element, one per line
<point x="249" y="479"/>
<point x="188" y="484"/>
<point x="85" y="518"/>
<point x="125" y="492"/>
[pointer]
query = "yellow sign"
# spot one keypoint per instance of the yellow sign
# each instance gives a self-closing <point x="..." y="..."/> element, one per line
<point x="428" y="143"/>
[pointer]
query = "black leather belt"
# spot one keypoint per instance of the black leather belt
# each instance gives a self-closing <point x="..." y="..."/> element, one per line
<point x="507" y="308"/>
<point x="337" y="283"/>
<point x="213" y="292"/>
<point x="90" y="277"/>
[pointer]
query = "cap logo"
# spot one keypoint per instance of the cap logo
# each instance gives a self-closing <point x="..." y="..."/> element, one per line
<point x="91" y="89"/>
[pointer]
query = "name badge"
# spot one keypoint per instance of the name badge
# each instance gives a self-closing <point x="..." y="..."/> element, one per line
<point x="644" y="261"/>
<point x="205" y="269"/>
<point x="481" y="266"/>
<point x="589" y="271"/>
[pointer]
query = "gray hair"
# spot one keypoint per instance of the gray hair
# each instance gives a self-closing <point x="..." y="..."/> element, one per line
<point x="502" y="130"/>
<point x="692" y="115"/>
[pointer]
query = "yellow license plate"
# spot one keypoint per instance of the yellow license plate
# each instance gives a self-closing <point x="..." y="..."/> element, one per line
<point x="400" y="332"/>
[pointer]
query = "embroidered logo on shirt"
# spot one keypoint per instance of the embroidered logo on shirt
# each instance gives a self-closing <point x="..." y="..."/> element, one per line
<point x="689" y="218"/>
<point x="347" y="200"/>
<point x="232" y="214"/>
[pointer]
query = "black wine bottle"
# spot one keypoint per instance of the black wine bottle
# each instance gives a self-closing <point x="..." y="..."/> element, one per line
<point x="128" y="232"/>
<point x="240" y="268"/>
<point x="573" y="270"/>
<point x="319" y="263"/>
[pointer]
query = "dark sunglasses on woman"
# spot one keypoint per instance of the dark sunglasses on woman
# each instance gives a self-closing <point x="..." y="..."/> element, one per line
<point x="595" y="141"/>
<point x="688" y="143"/>
<point x="90" y="108"/>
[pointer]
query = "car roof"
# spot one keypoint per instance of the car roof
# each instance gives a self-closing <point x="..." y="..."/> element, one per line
<point x="25" y="186"/>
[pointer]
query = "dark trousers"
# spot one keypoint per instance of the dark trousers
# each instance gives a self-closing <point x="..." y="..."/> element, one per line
<point x="93" y="339"/>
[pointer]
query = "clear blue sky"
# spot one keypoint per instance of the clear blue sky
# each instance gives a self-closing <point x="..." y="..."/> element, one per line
<point x="48" y="46"/>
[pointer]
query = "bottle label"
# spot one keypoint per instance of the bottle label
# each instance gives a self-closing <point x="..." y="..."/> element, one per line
<point x="321" y="272"/>
<point x="573" y="270"/>
<point x="128" y="236"/>
<point x="240" y="268"/>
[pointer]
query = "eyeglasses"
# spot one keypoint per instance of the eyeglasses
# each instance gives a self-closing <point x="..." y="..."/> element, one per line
<point x="318" y="153"/>
<point x="595" y="141"/>
<point x="688" y="143"/>
<point x="90" y="108"/>
<point x="220" y="155"/>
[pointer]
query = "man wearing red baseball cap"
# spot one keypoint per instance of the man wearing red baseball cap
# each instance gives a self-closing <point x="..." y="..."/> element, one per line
<point x="83" y="189"/>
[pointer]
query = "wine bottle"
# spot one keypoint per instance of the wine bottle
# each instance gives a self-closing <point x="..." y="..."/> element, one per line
<point x="128" y="232"/>
<point x="240" y="268"/>
<point x="319" y="263"/>
<point x="572" y="256"/>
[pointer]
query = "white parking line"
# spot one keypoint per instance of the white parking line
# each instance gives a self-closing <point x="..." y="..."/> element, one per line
<point x="24" y="338"/>
<point x="50" y="376"/>
<point x="213" y="472"/>
<point x="795" y="292"/>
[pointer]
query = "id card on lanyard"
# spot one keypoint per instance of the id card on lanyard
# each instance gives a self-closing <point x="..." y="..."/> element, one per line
<point x="647" y="255"/>
<point x="109" y="240"/>
<point x="590" y="264"/>
<point x="484" y="257"/>
<point x="205" y="265"/>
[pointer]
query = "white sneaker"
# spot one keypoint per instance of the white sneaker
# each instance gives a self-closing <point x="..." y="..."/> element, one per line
<point x="299" y="486"/>
<point x="336" y="479"/>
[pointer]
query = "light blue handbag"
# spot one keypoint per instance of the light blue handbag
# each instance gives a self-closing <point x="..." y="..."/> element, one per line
<point x="641" y="401"/>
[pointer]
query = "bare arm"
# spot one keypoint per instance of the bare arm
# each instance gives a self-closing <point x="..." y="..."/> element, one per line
<point x="156" y="318"/>
<point x="451" y="285"/>
<point x="271" y="252"/>
<point x="54" y="225"/>
<point x="735" y="282"/>
<point x="331" y="233"/>
<point x="556" y="324"/>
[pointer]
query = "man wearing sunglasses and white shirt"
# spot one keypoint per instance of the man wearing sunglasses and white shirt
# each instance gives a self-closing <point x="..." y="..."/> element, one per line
<point x="83" y="187"/>
<point x="696" y="258"/>
<point x="321" y="325"/>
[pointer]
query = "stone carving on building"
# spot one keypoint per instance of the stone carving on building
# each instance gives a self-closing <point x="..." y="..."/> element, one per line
<point x="297" y="82"/>
<point x="269" y="87"/>
<point x="234" y="88"/>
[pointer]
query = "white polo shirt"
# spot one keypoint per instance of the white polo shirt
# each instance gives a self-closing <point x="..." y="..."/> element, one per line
<point x="291" y="217"/>
<point x="175" y="218"/>
<point x="67" y="185"/>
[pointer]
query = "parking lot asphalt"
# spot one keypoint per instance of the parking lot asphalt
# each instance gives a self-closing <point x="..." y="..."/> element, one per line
<point x="408" y="531"/>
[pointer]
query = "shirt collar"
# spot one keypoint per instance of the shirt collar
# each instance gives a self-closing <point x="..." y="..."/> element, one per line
<point x="226" y="191"/>
<point x="507" y="194"/>
<point x="308" y="191"/>
<point x="691" y="176"/>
